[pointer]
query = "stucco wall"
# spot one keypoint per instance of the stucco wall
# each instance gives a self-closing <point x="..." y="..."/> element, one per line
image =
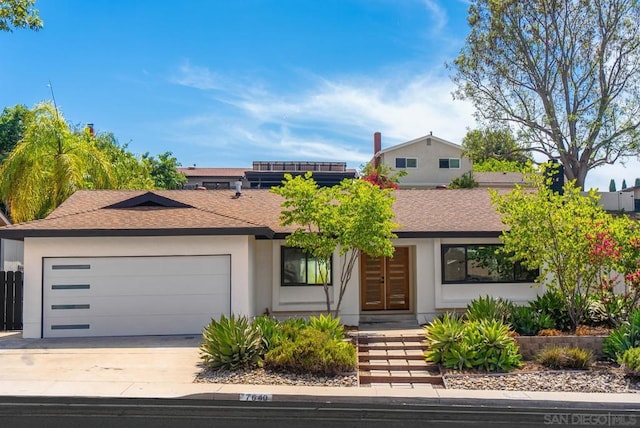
<point x="263" y="275"/>
<point x="428" y="173"/>
<point x="239" y="247"/>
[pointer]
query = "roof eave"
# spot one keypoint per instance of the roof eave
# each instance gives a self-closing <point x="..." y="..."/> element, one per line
<point x="20" y="234"/>
<point x="430" y="234"/>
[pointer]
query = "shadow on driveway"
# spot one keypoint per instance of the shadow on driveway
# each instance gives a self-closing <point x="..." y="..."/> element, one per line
<point x="15" y="341"/>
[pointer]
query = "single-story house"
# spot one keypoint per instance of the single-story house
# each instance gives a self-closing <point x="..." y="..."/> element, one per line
<point x="110" y="262"/>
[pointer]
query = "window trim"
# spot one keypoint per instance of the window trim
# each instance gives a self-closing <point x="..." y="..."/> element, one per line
<point x="406" y="163"/>
<point x="445" y="247"/>
<point x="449" y="163"/>
<point x="283" y="248"/>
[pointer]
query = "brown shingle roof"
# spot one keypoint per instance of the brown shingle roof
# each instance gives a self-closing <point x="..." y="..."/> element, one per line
<point x="427" y="212"/>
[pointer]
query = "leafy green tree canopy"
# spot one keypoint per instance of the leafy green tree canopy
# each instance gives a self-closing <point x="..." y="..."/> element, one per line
<point x="48" y="165"/>
<point x="19" y="14"/>
<point x="129" y="171"/>
<point x="13" y="123"/>
<point x="564" y="73"/>
<point x="164" y="171"/>
<point x="500" y="144"/>
<point x="351" y="217"/>
<point x="550" y="232"/>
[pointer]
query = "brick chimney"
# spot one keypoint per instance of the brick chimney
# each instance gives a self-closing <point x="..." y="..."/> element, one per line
<point x="377" y="146"/>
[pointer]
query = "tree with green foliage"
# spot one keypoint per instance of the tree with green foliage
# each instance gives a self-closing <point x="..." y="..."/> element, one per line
<point x="550" y="232"/>
<point x="353" y="217"/>
<point x="612" y="185"/>
<point x="19" y="14"/>
<point x="129" y="171"/>
<point x="13" y="122"/>
<point x="483" y="145"/>
<point x="501" y="165"/>
<point x="164" y="171"/>
<point x="48" y="165"/>
<point x="565" y="74"/>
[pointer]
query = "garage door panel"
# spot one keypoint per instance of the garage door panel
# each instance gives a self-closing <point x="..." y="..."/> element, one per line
<point x="132" y="326"/>
<point x="134" y="295"/>
<point x="141" y="286"/>
<point x="156" y="305"/>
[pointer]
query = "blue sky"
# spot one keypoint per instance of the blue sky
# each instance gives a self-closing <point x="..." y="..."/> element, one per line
<point x="223" y="83"/>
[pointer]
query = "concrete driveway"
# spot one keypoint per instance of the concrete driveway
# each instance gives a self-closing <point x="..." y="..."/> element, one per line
<point x="62" y="366"/>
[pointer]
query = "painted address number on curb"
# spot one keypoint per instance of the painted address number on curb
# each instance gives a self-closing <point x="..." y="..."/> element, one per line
<point x="256" y="397"/>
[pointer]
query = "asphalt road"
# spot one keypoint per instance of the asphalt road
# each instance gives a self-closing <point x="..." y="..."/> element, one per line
<point x="124" y="413"/>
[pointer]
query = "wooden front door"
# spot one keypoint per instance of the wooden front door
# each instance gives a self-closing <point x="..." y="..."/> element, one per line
<point x="384" y="282"/>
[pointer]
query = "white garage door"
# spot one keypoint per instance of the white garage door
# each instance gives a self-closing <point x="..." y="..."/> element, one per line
<point x="123" y="296"/>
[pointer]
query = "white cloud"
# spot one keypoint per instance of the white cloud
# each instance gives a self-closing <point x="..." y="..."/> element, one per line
<point x="196" y="77"/>
<point x="438" y="14"/>
<point x="331" y="119"/>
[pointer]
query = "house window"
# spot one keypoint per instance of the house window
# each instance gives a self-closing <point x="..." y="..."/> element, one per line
<point x="214" y="185"/>
<point x="406" y="163"/>
<point x="450" y="163"/>
<point x="481" y="264"/>
<point x="299" y="268"/>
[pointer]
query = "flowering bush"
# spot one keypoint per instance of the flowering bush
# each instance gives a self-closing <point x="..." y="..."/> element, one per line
<point x="616" y="246"/>
<point x="380" y="180"/>
<point x="382" y="176"/>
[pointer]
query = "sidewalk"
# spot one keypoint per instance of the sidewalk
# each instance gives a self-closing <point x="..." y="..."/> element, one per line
<point x="165" y="366"/>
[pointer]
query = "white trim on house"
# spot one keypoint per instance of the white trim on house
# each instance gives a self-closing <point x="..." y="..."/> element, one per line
<point x="239" y="248"/>
<point x="140" y="295"/>
<point x="423" y="139"/>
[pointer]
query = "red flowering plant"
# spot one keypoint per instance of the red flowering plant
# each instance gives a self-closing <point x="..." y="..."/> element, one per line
<point x="381" y="176"/>
<point x="615" y="247"/>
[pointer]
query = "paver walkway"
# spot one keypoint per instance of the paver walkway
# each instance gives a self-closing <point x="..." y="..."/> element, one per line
<point x="395" y="358"/>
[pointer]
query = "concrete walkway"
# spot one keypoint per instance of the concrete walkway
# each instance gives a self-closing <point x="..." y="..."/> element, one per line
<point x="165" y="367"/>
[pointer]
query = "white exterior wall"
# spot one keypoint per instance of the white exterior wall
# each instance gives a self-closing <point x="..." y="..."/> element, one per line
<point x="428" y="172"/>
<point x="428" y="295"/>
<point x="12" y="257"/>
<point x="617" y="201"/>
<point x="263" y="275"/>
<point x="239" y="247"/>
<point x="457" y="296"/>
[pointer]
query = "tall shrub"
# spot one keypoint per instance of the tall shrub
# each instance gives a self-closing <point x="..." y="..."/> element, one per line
<point x="549" y="231"/>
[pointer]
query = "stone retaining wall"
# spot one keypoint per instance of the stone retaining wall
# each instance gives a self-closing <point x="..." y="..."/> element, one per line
<point x="532" y="345"/>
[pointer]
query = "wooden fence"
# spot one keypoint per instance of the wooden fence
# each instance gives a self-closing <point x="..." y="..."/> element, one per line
<point x="11" y="288"/>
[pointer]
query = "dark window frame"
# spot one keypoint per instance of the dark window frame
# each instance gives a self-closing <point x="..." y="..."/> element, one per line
<point x="405" y="163"/>
<point x="516" y="268"/>
<point x="445" y="163"/>
<point x="284" y="283"/>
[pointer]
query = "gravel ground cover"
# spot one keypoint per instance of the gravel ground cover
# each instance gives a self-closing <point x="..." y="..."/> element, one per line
<point x="261" y="376"/>
<point x="603" y="377"/>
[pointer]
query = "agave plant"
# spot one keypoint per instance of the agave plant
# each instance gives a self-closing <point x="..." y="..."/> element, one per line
<point x="270" y="330"/>
<point x="441" y="335"/>
<point x="497" y="349"/>
<point x="328" y="324"/>
<point x="489" y="308"/>
<point x="231" y="343"/>
<point x="625" y="337"/>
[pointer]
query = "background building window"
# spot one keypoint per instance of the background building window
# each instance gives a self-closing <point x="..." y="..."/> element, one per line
<point x="481" y="264"/>
<point x="406" y="163"/>
<point x="298" y="268"/>
<point x="449" y="163"/>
